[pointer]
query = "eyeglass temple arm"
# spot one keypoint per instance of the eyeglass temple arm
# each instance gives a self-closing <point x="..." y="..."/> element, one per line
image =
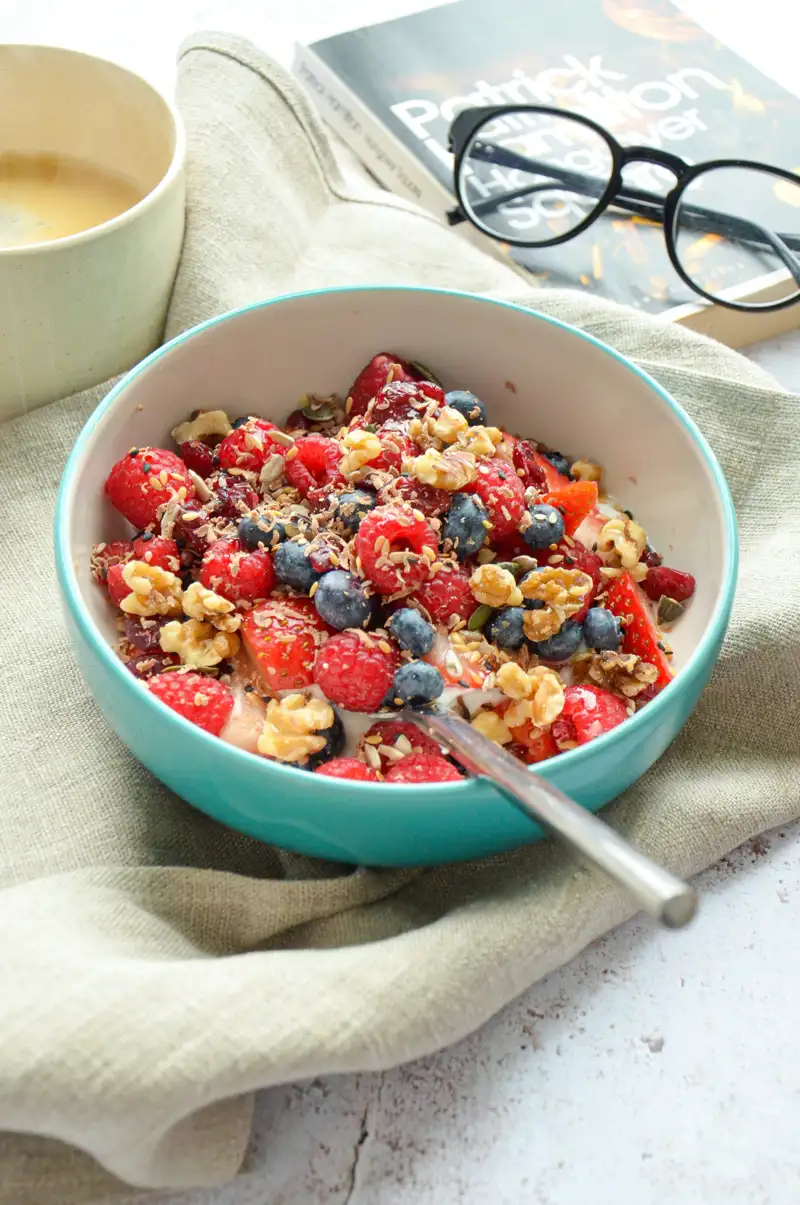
<point x="639" y="201"/>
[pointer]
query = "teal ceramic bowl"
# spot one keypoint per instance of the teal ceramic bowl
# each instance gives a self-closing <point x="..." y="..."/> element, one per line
<point x="539" y="378"/>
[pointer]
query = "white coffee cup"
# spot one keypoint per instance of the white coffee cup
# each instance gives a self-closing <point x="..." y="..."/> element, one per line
<point x="77" y="310"/>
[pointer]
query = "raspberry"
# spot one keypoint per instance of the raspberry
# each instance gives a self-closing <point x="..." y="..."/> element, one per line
<point x="148" y="664"/>
<point x="427" y="498"/>
<point x="144" y="481"/>
<point x="529" y="471"/>
<point x="237" y="574"/>
<point x="354" y="673"/>
<point x="198" y="457"/>
<point x="401" y="400"/>
<point x="116" y="552"/>
<point x="424" y="767"/>
<point x="589" y="711"/>
<point x="502" y="493"/>
<point x="315" y="467"/>
<point x="672" y="582"/>
<point x="233" y="496"/>
<point x="388" y="531"/>
<point x="388" y="732"/>
<point x="155" y="550"/>
<point x="447" y="593"/>
<point x="381" y="369"/>
<point x="117" y="587"/>
<point x="249" y="446"/>
<point x="347" y="767"/>
<point x="396" y="445"/>
<point x="283" y="637"/>
<point x="203" y="701"/>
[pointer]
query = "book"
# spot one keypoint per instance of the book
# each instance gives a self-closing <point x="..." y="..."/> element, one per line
<point x="642" y="68"/>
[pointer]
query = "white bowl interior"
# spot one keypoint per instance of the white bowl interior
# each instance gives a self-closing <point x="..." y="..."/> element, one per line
<point x="538" y="379"/>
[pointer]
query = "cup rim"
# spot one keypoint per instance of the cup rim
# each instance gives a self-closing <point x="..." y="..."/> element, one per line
<point x="706" y="648"/>
<point x="176" y="164"/>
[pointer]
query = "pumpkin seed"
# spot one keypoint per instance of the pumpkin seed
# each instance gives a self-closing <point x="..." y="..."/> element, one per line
<point x="512" y="567"/>
<point x="318" y="410"/>
<point x="669" y="609"/>
<point x="426" y="373"/>
<point x="480" y="617"/>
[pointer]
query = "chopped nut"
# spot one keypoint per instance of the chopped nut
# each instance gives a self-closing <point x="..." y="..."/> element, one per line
<point x="291" y="726"/>
<point x="200" y="487"/>
<point x="271" y="470"/>
<point x="481" y="441"/>
<point x="562" y="591"/>
<point x="154" y="591"/>
<point x="584" y="470"/>
<point x="198" y="644"/>
<point x="492" y="725"/>
<point x="538" y="694"/>
<point x="362" y="447"/>
<point x="448" y="425"/>
<point x="200" y="603"/>
<point x="450" y="470"/>
<point x="623" y="673"/>
<point x="495" y="587"/>
<point x="208" y="422"/>
<point x="624" y="537"/>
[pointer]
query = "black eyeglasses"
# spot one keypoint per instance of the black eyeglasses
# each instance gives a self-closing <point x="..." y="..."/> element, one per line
<point x="534" y="177"/>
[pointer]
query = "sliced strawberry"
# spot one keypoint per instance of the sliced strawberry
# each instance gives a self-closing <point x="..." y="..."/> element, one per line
<point x="641" y="636"/>
<point x="589" y="711"/>
<point x="465" y="669"/>
<point x="283" y="637"/>
<point x="555" y="480"/>
<point x="575" y="501"/>
<point x="531" y="744"/>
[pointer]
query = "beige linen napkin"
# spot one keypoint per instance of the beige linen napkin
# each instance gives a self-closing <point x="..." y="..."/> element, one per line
<point x="157" y="969"/>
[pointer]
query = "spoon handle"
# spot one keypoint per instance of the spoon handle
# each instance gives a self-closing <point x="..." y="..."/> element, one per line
<point x="659" y="893"/>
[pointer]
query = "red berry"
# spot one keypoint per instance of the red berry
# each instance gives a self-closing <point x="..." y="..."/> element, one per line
<point x="672" y="582"/>
<point x="315" y="467"/>
<point x="388" y="530"/>
<point x="355" y="673"/>
<point x="192" y="528"/>
<point x="555" y="480"/>
<point x="115" y="552"/>
<point x="396" y="445"/>
<point x="641" y="636"/>
<point x="148" y="664"/>
<point x="532" y="745"/>
<point x="117" y="587"/>
<point x="250" y="446"/>
<point x="198" y="457"/>
<point x="347" y="767"/>
<point x="234" y="496"/>
<point x="502" y="493"/>
<point x="231" y="570"/>
<point x="651" y="558"/>
<point x="297" y="421"/>
<point x="401" y="400"/>
<point x="529" y="471"/>
<point x="144" y="634"/>
<point x="155" y="550"/>
<point x="589" y="711"/>
<point x="381" y="368"/>
<point x="447" y="593"/>
<point x="283" y="637"/>
<point x="144" y="481"/>
<point x="427" y="498"/>
<point x="389" y="732"/>
<point x="203" y="701"/>
<point x="424" y="767"/>
<point x="575" y="501"/>
<point x="578" y="557"/>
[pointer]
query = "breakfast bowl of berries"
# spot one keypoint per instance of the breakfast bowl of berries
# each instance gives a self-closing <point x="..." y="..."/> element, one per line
<point x="298" y="525"/>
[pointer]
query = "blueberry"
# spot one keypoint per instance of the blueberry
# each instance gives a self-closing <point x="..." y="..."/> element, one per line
<point x="561" y="646"/>
<point x="240" y="422"/>
<point x="468" y="404"/>
<point x="341" y="600"/>
<point x="602" y="630"/>
<point x="418" y="683"/>
<point x="411" y="631"/>
<point x="334" y="744"/>
<point x="293" y="568"/>
<point x="350" y="508"/>
<point x="547" y="527"/>
<point x="504" y="628"/>
<point x="559" y="462"/>
<point x="262" y="531"/>
<point x="464" y="525"/>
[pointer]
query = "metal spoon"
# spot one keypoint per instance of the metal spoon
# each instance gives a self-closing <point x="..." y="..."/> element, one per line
<point x="664" y="897"/>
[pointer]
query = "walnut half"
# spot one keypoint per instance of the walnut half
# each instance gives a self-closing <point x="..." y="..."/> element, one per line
<point x="205" y="605"/>
<point x="292" y="728"/>
<point x="494" y="586"/>
<point x="538" y="694"/>
<point x="561" y="590"/>
<point x="153" y="591"/>
<point x="198" y="644"/>
<point x="622" y="673"/>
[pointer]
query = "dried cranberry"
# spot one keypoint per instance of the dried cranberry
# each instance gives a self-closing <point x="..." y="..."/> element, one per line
<point x="528" y="468"/>
<point x="234" y="496"/>
<point x="191" y="530"/>
<point x="198" y="457"/>
<point x="143" y="637"/>
<point x="650" y="557"/>
<point x="154" y="661"/>
<point x="297" y="421"/>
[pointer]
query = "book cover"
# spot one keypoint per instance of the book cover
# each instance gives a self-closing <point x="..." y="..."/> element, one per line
<point x="641" y="68"/>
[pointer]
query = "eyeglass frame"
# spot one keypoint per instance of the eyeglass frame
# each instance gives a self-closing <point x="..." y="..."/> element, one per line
<point x="467" y="122"/>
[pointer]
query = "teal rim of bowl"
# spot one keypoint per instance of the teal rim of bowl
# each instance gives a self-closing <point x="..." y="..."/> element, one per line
<point x="573" y="758"/>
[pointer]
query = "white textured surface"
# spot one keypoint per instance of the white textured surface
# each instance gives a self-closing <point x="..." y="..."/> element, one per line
<point x="656" y="1069"/>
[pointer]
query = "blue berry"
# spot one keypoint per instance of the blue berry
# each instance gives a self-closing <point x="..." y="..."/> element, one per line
<point x="468" y="404"/>
<point x="559" y="462"/>
<point x="602" y="630"/>
<point x="342" y="601"/>
<point x="293" y="567"/>
<point x="334" y="744"/>
<point x="464" y="525"/>
<point x="351" y="507"/>
<point x="261" y="531"/>
<point x="418" y="683"/>
<point x="547" y="527"/>
<point x="411" y="631"/>
<point x="561" y="646"/>
<point x="240" y="422"/>
<point x="504" y="628"/>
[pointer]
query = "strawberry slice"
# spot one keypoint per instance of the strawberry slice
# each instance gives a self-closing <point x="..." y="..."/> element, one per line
<point x="555" y="480"/>
<point x="641" y="636"/>
<point x="575" y="501"/>
<point x="531" y="744"/>
<point x="589" y="711"/>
